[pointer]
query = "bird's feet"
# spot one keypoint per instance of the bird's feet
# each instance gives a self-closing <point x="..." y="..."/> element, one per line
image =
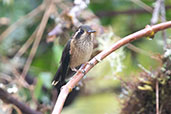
<point x="74" y="69"/>
<point x="92" y="63"/>
<point x="81" y="69"/>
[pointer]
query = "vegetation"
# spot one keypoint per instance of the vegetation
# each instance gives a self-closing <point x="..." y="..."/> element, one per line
<point x="135" y="79"/>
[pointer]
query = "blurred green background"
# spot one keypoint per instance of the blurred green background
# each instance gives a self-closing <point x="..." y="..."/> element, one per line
<point x="102" y="91"/>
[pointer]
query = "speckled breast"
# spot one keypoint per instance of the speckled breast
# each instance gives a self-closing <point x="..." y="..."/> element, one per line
<point x="81" y="53"/>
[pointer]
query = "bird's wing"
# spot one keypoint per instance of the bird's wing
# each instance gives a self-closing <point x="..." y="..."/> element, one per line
<point x="60" y="75"/>
<point x="65" y="59"/>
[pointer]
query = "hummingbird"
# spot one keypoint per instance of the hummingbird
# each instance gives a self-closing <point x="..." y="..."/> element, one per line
<point x="77" y="51"/>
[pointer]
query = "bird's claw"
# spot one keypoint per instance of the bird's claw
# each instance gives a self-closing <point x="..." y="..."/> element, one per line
<point x="90" y="63"/>
<point x="80" y="70"/>
<point x="83" y="71"/>
<point x="74" y="69"/>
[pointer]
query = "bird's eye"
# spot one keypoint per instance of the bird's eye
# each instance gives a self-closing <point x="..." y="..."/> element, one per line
<point x="79" y="33"/>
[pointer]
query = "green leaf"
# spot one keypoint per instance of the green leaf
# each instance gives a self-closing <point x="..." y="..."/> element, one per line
<point x="44" y="78"/>
<point x="57" y="51"/>
<point x="37" y="91"/>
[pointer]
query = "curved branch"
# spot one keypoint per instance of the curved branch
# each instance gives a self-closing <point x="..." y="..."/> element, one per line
<point x="6" y="97"/>
<point x="148" y="31"/>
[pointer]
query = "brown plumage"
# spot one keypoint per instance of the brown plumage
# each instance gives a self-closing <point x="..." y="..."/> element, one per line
<point x="77" y="51"/>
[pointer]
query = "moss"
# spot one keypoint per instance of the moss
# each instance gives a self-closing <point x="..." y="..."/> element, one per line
<point x="143" y="101"/>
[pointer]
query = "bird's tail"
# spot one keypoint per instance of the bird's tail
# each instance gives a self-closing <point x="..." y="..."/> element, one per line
<point x="57" y="77"/>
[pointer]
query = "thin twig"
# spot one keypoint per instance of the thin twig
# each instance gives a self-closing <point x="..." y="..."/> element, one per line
<point x="143" y="5"/>
<point x="32" y="14"/>
<point x="157" y="97"/>
<point x="155" y="15"/>
<point x="139" y="50"/>
<point x="26" y="45"/>
<point x="163" y="11"/>
<point x="20" y="80"/>
<point x="123" y="12"/>
<point x="38" y="38"/>
<point x="145" y="70"/>
<point x="5" y="77"/>
<point x="6" y="97"/>
<point x="17" y="109"/>
<point x="22" y="83"/>
<point x="163" y="19"/>
<point x="78" y="76"/>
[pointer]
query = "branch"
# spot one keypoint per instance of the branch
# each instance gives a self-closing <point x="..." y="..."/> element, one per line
<point x="39" y="34"/>
<point x="30" y="15"/>
<point x="155" y="15"/>
<point x="143" y="5"/>
<point x="124" y="12"/>
<point x="6" y="97"/>
<point x="26" y="45"/>
<point x="148" y="31"/>
<point x="141" y="51"/>
<point x="163" y="19"/>
<point x="157" y="97"/>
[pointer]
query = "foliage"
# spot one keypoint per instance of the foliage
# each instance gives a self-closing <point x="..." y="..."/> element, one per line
<point x="113" y="19"/>
<point x="143" y="94"/>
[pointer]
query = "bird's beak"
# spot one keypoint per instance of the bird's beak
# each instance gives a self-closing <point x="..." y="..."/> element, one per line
<point x="91" y="31"/>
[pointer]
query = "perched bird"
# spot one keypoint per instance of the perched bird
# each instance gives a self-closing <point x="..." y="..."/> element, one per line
<point x="76" y="52"/>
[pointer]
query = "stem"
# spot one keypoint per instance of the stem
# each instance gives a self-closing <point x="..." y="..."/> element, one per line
<point x="7" y="98"/>
<point x="157" y="97"/>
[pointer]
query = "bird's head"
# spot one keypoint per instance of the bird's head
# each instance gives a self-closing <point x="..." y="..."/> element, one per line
<point x="84" y="31"/>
